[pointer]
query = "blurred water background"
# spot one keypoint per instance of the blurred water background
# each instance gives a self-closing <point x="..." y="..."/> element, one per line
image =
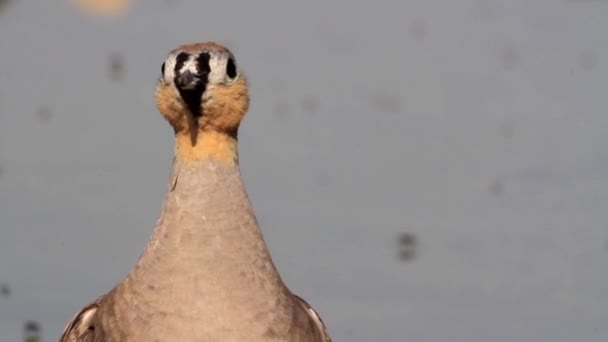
<point x="423" y="170"/>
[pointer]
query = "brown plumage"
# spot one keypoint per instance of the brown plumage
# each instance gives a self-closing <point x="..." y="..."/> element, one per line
<point x="206" y="273"/>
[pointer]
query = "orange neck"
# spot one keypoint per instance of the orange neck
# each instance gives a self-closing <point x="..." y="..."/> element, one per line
<point x="215" y="145"/>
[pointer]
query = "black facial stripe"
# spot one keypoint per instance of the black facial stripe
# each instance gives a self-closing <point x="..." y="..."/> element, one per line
<point x="203" y="63"/>
<point x="193" y="97"/>
<point x="179" y="62"/>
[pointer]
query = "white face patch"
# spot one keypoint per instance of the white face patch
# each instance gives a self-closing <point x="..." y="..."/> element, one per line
<point x="190" y="65"/>
<point x="197" y="77"/>
<point x="217" y="64"/>
<point x="214" y="71"/>
<point x="171" y="61"/>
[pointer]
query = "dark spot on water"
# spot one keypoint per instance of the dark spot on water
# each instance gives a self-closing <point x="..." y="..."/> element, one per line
<point x="44" y="115"/>
<point x="510" y="58"/>
<point x="496" y="188"/>
<point x="116" y="66"/>
<point x="417" y="28"/>
<point x="407" y="246"/>
<point x="309" y="104"/>
<point x="507" y="130"/>
<point x="5" y="290"/>
<point x="386" y="102"/>
<point x="31" y="331"/>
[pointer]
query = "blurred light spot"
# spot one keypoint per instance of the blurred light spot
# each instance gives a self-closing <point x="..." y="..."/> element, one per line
<point x="116" y="66"/>
<point x="587" y="60"/>
<point x="281" y="109"/>
<point x="510" y="58"/>
<point x="5" y="290"/>
<point x="407" y="246"/>
<point x="496" y="188"/>
<point x="44" y="114"/>
<point x="103" y="7"/>
<point x="31" y="331"/>
<point x="386" y="102"/>
<point x="323" y="179"/>
<point x="507" y="130"/>
<point x="417" y="29"/>
<point x="309" y="104"/>
<point x="4" y="3"/>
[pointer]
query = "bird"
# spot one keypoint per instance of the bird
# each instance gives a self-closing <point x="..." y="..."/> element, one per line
<point x="206" y="273"/>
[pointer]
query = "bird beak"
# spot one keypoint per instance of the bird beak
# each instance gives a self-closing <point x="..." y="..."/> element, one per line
<point x="187" y="80"/>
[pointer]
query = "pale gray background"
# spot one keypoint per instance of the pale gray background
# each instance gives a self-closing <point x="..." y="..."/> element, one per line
<point x="479" y="126"/>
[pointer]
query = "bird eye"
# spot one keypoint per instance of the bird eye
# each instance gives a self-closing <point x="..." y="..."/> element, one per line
<point x="231" y="68"/>
<point x="162" y="69"/>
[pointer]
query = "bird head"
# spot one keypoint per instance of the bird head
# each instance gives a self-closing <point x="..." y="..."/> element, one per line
<point x="202" y="89"/>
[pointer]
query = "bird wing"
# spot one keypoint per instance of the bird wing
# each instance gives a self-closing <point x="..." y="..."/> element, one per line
<point x="316" y="318"/>
<point x="81" y="328"/>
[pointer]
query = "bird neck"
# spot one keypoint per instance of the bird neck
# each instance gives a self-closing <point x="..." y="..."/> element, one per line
<point x="207" y="243"/>
<point x="201" y="145"/>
